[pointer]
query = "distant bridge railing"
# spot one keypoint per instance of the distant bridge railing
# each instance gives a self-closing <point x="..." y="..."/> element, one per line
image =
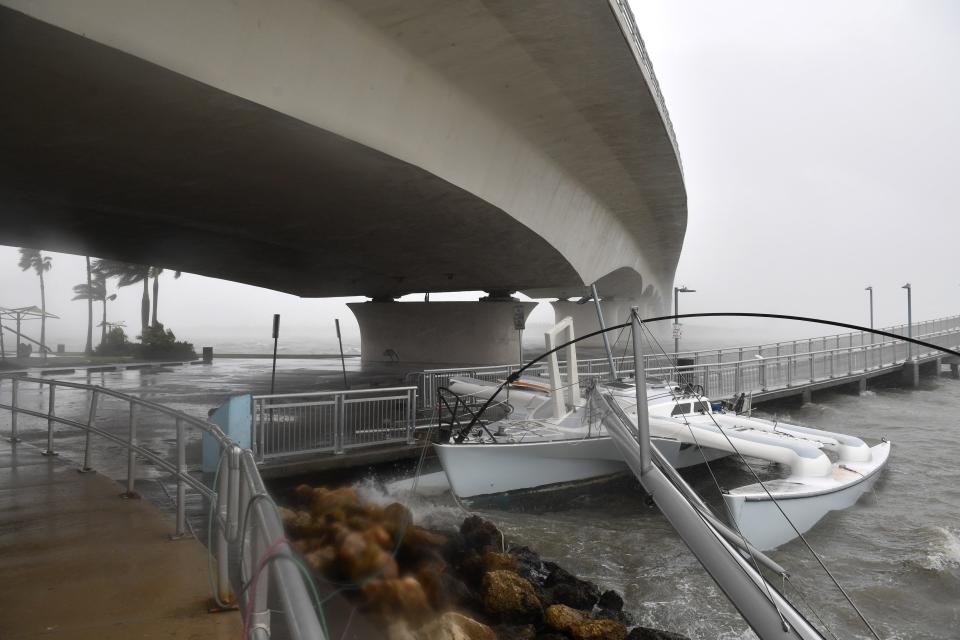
<point x="733" y="370"/>
<point x="245" y="524"/>
<point x="332" y="421"/>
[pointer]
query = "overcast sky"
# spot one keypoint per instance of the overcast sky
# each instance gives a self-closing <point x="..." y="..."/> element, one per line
<point x="821" y="151"/>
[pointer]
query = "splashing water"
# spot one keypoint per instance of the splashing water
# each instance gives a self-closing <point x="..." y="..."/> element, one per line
<point x="945" y="552"/>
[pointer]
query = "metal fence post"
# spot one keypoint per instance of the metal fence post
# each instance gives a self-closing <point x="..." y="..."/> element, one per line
<point x="224" y="591"/>
<point x="338" y="420"/>
<point x="833" y="358"/>
<point x="91" y="418"/>
<point x="180" y="530"/>
<point x="411" y="415"/>
<point x="260" y="611"/>
<point x="791" y="364"/>
<point x="255" y="435"/>
<point x="13" y="411"/>
<point x="737" y="379"/>
<point x="131" y="454"/>
<point x="51" y="412"/>
<point x="233" y="497"/>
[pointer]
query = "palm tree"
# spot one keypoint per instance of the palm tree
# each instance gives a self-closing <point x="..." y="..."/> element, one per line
<point x="89" y="348"/>
<point x="34" y="259"/>
<point x="155" y="274"/>
<point x="128" y="274"/>
<point x="96" y="290"/>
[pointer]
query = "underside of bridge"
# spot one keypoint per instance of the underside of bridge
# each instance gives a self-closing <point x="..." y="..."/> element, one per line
<point x="343" y="148"/>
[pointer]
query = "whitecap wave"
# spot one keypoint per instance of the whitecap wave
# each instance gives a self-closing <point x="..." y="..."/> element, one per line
<point x="944" y="553"/>
<point x="427" y="512"/>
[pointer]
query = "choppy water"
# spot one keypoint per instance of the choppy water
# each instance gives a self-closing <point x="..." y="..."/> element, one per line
<point x="897" y="551"/>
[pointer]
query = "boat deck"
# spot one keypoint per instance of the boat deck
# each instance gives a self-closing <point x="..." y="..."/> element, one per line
<point x="80" y="562"/>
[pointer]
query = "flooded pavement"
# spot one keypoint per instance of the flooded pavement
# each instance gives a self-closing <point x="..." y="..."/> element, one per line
<point x="191" y="389"/>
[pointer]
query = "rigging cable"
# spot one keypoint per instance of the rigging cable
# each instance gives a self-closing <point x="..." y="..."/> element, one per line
<point x="515" y="375"/>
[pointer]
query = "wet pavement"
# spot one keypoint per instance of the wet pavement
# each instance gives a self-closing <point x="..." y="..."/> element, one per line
<point x="81" y="562"/>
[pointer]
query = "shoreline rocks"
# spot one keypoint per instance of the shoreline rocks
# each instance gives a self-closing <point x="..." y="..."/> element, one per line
<point x="420" y="584"/>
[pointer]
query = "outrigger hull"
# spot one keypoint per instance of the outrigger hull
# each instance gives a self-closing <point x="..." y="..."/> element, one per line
<point x="805" y="501"/>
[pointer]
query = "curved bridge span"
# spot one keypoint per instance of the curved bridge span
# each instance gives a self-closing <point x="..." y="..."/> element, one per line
<point x="328" y="148"/>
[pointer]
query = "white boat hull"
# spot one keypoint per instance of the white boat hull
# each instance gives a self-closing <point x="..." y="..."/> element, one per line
<point x="760" y="521"/>
<point x="486" y="469"/>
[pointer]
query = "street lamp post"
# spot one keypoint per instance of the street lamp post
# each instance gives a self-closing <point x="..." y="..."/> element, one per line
<point x="870" y="289"/>
<point x="676" y="321"/>
<point x="909" y="319"/>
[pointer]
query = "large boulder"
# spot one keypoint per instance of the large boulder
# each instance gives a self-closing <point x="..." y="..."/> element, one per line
<point x="361" y="557"/>
<point x="562" y="587"/>
<point x="529" y="565"/>
<point x="454" y="626"/>
<point x="610" y="607"/>
<point x="598" y="630"/>
<point x="397" y="598"/>
<point x="645" y="633"/>
<point x="515" y="632"/>
<point x="611" y="600"/>
<point x="510" y="597"/>
<point x="495" y="561"/>
<point x="479" y="534"/>
<point x="560" y="617"/>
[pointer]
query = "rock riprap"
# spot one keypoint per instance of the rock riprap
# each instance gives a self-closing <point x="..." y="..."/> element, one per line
<point x="466" y="584"/>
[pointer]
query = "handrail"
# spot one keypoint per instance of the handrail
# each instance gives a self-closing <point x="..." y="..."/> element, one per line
<point x="332" y="421"/>
<point x="428" y="380"/>
<point x="248" y="530"/>
<point x="312" y="394"/>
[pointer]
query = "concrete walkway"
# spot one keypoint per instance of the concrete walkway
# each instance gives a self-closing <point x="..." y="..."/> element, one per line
<point x="77" y="561"/>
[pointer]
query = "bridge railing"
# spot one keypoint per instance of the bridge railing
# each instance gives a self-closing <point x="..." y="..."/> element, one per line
<point x="761" y="374"/>
<point x="245" y="526"/>
<point x="804" y="359"/>
<point x="332" y="421"/>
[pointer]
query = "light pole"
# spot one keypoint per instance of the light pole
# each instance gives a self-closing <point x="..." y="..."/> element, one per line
<point x="909" y="319"/>
<point x="870" y="289"/>
<point x="676" y="321"/>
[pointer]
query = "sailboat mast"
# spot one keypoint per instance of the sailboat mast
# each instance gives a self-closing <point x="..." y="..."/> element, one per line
<point x="640" y="379"/>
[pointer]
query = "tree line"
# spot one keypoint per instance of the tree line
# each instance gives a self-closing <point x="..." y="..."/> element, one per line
<point x="99" y="271"/>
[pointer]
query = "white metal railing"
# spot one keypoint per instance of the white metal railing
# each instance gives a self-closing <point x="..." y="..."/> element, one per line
<point x="732" y="370"/>
<point x="332" y="421"/>
<point x="246" y="528"/>
<point x="822" y="343"/>
<point x="759" y="375"/>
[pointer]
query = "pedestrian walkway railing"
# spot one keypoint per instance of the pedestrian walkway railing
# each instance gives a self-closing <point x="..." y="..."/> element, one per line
<point x="764" y="374"/>
<point x="246" y="530"/>
<point x="332" y="421"/>
<point x="733" y="370"/>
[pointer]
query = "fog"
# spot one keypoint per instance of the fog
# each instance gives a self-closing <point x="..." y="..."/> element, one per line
<point x="820" y="149"/>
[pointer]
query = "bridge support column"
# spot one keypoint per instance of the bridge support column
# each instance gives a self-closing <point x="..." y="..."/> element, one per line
<point x="955" y="371"/>
<point x="585" y="318"/>
<point x="440" y="333"/>
<point x="911" y="373"/>
<point x="862" y="385"/>
<point x="806" y="397"/>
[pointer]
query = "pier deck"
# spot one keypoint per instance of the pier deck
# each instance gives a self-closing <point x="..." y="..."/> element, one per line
<point x="80" y="562"/>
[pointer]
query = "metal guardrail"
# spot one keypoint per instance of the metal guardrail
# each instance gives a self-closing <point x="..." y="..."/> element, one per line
<point x="731" y="370"/>
<point x="247" y="528"/>
<point x="821" y="343"/>
<point x="762" y="374"/>
<point x="332" y="421"/>
<point x="636" y="41"/>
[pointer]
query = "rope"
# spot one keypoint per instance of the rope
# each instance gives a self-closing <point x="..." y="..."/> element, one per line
<point x="787" y="518"/>
<point x="749" y="549"/>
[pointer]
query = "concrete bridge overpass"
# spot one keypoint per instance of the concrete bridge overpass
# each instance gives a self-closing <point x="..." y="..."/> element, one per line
<point x="369" y="147"/>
